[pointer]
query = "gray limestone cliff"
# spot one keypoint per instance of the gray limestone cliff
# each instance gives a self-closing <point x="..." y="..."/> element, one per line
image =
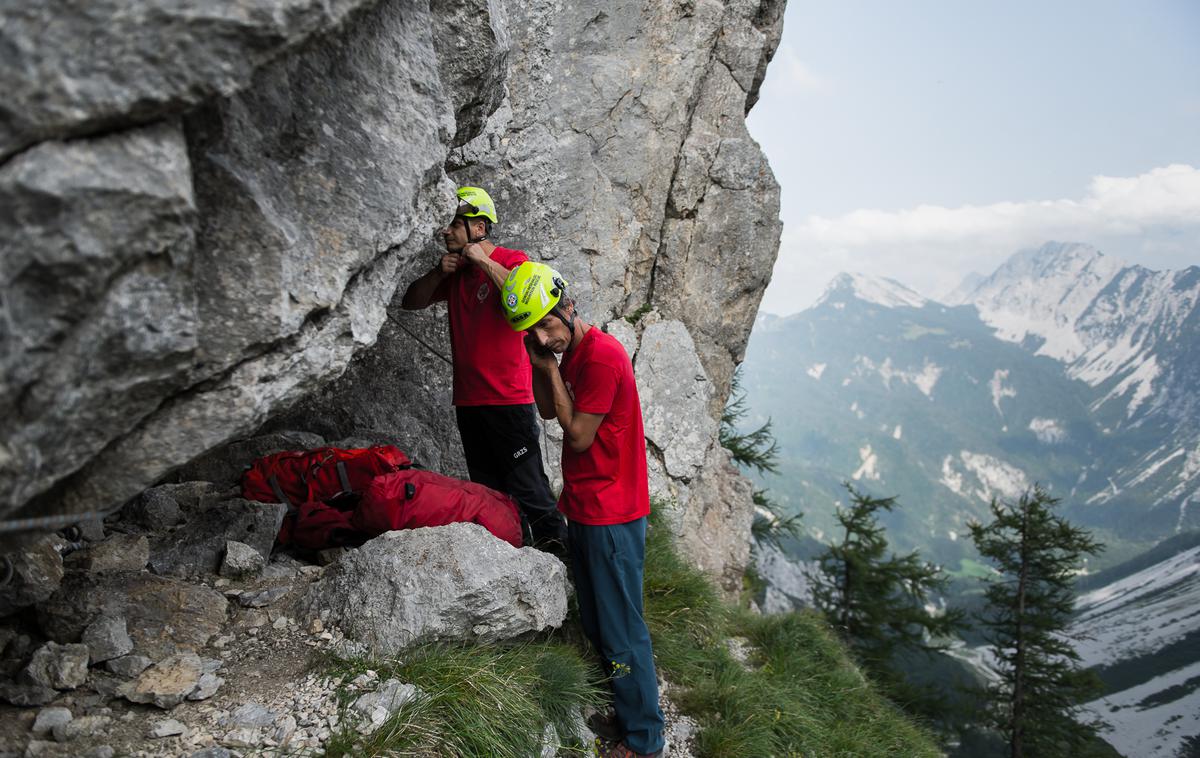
<point x="205" y="219"/>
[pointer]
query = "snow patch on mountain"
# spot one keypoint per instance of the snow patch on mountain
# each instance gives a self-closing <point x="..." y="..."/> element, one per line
<point x="1138" y="616"/>
<point x="816" y="370"/>
<point x="1043" y="293"/>
<point x="1048" y="431"/>
<point x="1146" y="727"/>
<point x="897" y="432"/>
<point x="953" y="480"/>
<point x="869" y="468"/>
<point x="1141" y="381"/>
<point x="999" y="389"/>
<point x="1153" y="468"/>
<point x="992" y="476"/>
<point x="870" y="289"/>
<point x="924" y="379"/>
<point x="1141" y="613"/>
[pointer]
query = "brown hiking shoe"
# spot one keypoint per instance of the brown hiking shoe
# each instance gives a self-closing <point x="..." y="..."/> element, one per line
<point x="606" y="749"/>
<point x="605" y="726"/>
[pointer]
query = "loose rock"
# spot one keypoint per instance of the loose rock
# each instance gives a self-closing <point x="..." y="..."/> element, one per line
<point x="167" y="728"/>
<point x="37" y="572"/>
<point x="206" y="687"/>
<point x="107" y="638"/>
<point x="48" y="718"/>
<point x="121" y="552"/>
<point x="63" y="667"/>
<point x="262" y="598"/>
<point x="241" y="560"/>
<point x="375" y="708"/>
<point x="128" y="666"/>
<point x="84" y="726"/>
<point x="166" y="683"/>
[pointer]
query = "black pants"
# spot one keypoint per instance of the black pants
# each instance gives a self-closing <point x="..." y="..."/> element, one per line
<point x="500" y="443"/>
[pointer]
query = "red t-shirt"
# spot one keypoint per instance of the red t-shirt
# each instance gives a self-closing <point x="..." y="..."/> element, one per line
<point x="605" y="484"/>
<point x="491" y="366"/>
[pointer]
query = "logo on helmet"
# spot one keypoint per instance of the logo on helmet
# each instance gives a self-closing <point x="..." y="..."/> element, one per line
<point x="511" y="300"/>
<point x="519" y="317"/>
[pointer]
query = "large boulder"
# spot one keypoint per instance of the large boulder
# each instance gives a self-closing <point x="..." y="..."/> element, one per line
<point x="450" y="583"/>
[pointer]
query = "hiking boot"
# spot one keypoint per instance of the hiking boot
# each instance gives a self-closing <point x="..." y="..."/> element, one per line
<point x="606" y="749"/>
<point x="604" y="725"/>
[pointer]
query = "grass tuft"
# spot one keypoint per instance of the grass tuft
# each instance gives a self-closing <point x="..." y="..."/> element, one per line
<point x="480" y="700"/>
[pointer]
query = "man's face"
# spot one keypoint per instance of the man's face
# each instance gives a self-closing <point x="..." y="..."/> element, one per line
<point x="551" y="333"/>
<point x="455" y="234"/>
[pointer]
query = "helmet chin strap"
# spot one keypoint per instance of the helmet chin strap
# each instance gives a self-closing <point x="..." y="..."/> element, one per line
<point x="467" y="226"/>
<point x="569" y="324"/>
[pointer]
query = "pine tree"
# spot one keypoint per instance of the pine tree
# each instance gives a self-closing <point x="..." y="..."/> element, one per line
<point x="1036" y="555"/>
<point x="756" y="450"/>
<point x="879" y="601"/>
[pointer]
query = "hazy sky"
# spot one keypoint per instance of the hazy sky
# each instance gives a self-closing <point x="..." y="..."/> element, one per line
<point x="923" y="140"/>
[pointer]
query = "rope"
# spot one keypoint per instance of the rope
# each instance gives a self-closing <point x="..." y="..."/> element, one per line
<point x="47" y="522"/>
<point x="423" y="343"/>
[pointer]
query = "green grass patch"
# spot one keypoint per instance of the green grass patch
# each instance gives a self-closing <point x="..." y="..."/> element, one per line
<point x="480" y="700"/>
<point x="969" y="568"/>
<point x="798" y="694"/>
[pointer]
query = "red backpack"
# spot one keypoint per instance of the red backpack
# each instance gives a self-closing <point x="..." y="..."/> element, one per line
<point x="325" y="474"/>
<point x="412" y="498"/>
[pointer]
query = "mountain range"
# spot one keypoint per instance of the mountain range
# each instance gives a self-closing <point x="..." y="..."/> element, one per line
<point x="1064" y="367"/>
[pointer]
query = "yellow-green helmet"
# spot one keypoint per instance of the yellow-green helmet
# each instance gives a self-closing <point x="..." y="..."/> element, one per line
<point x="530" y="292"/>
<point x="474" y="202"/>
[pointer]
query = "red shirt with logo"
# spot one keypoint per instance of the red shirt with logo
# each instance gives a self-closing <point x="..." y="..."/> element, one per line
<point x="605" y="484"/>
<point x="491" y="366"/>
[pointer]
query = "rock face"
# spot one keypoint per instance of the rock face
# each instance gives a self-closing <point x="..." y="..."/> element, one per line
<point x="200" y="243"/>
<point x="450" y="583"/>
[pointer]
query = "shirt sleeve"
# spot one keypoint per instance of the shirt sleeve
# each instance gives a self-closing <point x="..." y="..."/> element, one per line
<point x="509" y="259"/>
<point x="597" y="387"/>
<point x="442" y="291"/>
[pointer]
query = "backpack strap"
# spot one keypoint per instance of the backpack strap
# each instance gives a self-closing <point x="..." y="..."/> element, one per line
<point x="274" y="482"/>
<point x="343" y="477"/>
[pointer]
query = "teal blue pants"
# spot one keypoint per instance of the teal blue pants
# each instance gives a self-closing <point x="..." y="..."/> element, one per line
<point x="607" y="561"/>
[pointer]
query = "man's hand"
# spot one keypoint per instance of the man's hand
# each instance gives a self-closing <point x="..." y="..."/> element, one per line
<point x="475" y="254"/>
<point x="540" y="357"/>
<point x="450" y="263"/>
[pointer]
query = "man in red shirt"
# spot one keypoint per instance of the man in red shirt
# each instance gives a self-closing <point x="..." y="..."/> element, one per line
<point x="605" y="495"/>
<point x="492" y="395"/>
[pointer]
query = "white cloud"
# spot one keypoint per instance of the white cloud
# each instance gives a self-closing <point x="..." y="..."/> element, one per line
<point x="794" y="74"/>
<point x="930" y="248"/>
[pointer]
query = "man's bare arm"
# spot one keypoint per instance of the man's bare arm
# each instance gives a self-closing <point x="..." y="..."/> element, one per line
<point x="495" y="272"/>
<point x="420" y="293"/>
<point x="553" y="401"/>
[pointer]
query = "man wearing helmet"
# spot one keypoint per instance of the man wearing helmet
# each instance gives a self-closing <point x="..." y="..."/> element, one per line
<point x="605" y="495"/>
<point x="492" y="395"/>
